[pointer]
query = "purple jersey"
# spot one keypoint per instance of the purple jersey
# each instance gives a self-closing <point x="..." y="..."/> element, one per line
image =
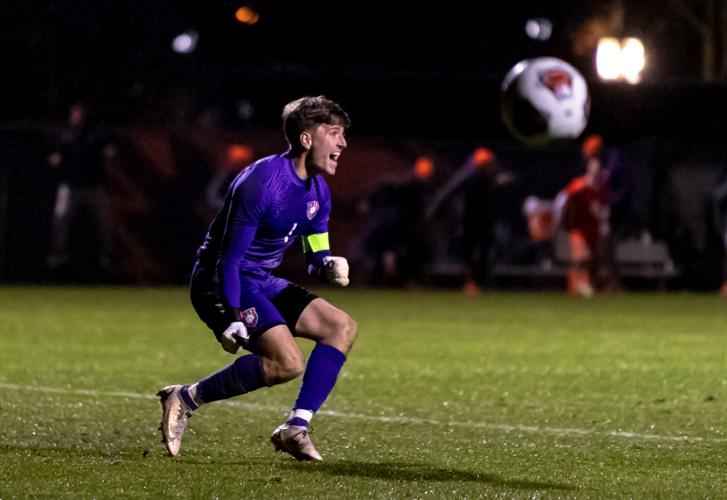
<point x="266" y="208"/>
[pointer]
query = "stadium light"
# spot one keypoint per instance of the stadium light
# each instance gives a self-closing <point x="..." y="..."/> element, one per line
<point x="539" y="29"/>
<point x="634" y="59"/>
<point x="246" y="15"/>
<point x="608" y="58"/>
<point x="620" y="60"/>
<point x="185" y="43"/>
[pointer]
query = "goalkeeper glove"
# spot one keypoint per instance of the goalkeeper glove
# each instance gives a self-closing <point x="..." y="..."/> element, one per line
<point x="336" y="270"/>
<point x="235" y="337"/>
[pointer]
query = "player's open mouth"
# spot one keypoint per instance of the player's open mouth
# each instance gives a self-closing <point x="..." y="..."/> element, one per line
<point x="335" y="156"/>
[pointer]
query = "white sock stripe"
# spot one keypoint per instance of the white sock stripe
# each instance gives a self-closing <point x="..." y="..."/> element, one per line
<point x="194" y="394"/>
<point x="304" y="414"/>
<point x="533" y="429"/>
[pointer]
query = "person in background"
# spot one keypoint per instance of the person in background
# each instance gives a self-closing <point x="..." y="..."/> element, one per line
<point x="585" y="215"/>
<point x="476" y="180"/>
<point x="82" y="151"/>
<point x="395" y="237"/>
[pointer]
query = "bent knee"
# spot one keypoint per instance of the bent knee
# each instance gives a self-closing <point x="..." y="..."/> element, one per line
<point x="291" y="366"/>
<point x="351" y="329"/>
<point x="344" y="332"/>
<point x="284" y="368"/>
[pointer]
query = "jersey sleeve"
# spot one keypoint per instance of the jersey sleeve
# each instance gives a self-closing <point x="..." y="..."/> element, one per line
<point x="316" y="244"/>
<point x="250" y="202"/>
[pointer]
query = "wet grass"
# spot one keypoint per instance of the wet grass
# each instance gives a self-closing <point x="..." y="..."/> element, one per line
<point x="503" y="395"/>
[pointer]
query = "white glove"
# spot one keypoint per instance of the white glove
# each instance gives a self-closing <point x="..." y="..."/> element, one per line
<point x="235" y="337"/>
<point x="336" y="270"/>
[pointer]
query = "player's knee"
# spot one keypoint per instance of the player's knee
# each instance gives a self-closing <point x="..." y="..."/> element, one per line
<point x="292" y="367"/>
<point x="284" y="367"/>
<point x="346" y="329"/>
<point x="351" y="329"/>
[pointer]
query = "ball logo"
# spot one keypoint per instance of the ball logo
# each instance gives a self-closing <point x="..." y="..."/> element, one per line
<point x="312" y="209"/>
<point x="249" y="317"/>
<point x="558" y="81"/>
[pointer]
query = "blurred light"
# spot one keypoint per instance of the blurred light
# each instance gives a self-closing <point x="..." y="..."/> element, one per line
<point x="539" y="29"/>
<point x="246" y="15"/>
<point x="482" y="156"/>
<point x="245" y="110"/>
<point x="608" y="59"/>
<point x="185" y="43"/>
<point x="634" y="59"/>
<point x="620" y="60"/>
<point x="423" y="168"/>
<point x="592" y="145"/>
<point x="238" y="154"/>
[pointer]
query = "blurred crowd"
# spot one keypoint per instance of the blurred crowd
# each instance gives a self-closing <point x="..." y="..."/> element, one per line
<point x="129" y="205"/>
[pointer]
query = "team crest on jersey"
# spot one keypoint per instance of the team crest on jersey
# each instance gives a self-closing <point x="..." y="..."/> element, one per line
<point x="249" y="317"/>
<point x="312" y="210"/>
<point x="558" y="81"/>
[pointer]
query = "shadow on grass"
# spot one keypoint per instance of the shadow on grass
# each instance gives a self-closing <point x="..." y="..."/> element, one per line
<point x="418" y="472"/>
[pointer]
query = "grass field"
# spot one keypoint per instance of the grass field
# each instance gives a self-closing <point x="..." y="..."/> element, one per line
<point x="503" y="395"/>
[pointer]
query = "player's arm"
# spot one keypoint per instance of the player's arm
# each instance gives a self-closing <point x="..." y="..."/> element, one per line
<point x="317" y="249"/>
<point x="246" y="210"/>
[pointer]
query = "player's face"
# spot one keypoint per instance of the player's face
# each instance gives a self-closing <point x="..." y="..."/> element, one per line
<point x="327" y="144"/>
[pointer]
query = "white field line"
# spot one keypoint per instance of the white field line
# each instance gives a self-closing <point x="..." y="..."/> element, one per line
<point x="532" y="429"/>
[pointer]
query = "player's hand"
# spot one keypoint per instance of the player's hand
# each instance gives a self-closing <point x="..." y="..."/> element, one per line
<point x="235" y="337"/>
<point x="336" y="270"/>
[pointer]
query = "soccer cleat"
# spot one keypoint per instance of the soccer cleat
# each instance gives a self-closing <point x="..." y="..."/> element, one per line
<point x="585" y="289"/>
<point x="174" y="418"/>
<point x="294" y="439"/>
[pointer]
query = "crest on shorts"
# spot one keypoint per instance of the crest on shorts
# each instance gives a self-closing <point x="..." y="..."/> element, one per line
<point x="312" y="209"/>
<point x="249" y="317"/>
<point x="558" y="81"/>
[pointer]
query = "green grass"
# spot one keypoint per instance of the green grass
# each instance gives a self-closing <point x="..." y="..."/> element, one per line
<point x="504" y="395"/>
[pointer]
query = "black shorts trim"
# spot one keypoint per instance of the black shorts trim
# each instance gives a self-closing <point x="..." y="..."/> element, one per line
<point x="206" y="301"/>
<point x="291" y="302"/>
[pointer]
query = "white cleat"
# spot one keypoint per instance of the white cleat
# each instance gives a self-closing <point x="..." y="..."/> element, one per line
<point x="294" y="439"/>
<point x="174" y="418"/>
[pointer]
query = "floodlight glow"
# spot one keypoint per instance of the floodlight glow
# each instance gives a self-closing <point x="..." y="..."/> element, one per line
<point x="608" y="59"/>
<point x="620" y="59"/>
<point x="185" y="43"/>
<point x="633" y="59"/>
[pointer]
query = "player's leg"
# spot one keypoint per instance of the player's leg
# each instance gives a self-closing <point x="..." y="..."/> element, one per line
<point x="334" y="332"/>
<point x="100" y="206"/>
<point x="275" y="359"/>
<point x="579" y="281"/>
<point x="63" y="213"/>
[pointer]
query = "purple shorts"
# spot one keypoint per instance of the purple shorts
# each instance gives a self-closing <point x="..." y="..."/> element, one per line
<point x="264" y="303"/>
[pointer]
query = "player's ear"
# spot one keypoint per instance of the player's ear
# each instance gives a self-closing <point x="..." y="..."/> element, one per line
<point x="306" y="140"/>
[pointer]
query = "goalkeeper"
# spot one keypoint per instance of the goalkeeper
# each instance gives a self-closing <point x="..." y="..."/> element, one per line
<point x="268" y="206"/>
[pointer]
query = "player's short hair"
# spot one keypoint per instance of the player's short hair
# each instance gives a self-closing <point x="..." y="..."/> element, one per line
<point x="308" y="112"/>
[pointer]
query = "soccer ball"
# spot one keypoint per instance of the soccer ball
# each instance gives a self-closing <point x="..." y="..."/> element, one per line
<point x="544" y="100"/>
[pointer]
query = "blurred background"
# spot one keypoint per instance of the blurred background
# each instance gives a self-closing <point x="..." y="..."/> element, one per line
<point x="121" y="124"/>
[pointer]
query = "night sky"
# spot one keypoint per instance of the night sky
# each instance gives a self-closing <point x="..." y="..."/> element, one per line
<point x="56" y="50"/>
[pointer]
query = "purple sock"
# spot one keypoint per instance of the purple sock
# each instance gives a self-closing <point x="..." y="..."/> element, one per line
<point x="245" y="374"/>
<point x="320" y="376"/>
<point x="184" y="393"/>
